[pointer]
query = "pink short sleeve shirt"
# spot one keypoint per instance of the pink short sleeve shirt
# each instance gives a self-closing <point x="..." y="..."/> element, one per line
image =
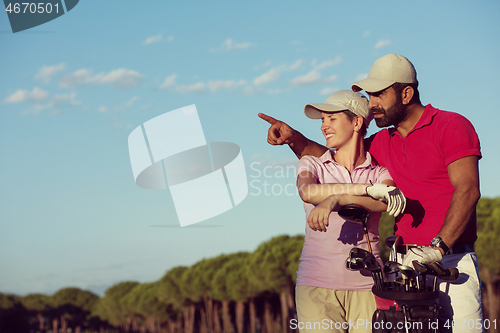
<point x="322" y="263"/>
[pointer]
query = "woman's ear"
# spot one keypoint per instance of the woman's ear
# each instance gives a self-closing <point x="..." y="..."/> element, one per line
<point x="358" y="123"/>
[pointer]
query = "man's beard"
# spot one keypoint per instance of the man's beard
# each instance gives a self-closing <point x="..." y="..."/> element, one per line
<point x="394" y="115"/>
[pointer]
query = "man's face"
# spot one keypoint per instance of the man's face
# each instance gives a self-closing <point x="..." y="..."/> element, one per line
<point x="387" y="107"/>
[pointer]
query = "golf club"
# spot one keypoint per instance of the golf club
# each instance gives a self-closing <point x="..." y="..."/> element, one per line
<point x="359" y="215"/>
<point x="422" y="270"/>
<point x="408" y="273"/>
<point x="354" y="264"/>
<point x="371" y="264"/>
<point x="432" y="271"/>
<point x="393" y="242"/>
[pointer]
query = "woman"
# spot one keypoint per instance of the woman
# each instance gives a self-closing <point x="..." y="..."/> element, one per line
<point x="329" y="297"/>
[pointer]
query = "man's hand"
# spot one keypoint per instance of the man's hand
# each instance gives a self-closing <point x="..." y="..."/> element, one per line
<point x="318" y="217"/>
<point x="279" y="133"/>
<point x="392" y="196"/>
<point x="422" y="254"/>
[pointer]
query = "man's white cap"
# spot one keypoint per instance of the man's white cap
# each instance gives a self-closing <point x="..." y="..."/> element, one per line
<point x="386" y="71"/>
<point x="340" y="101"/>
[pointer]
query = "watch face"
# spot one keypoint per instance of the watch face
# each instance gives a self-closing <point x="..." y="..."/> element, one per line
<point x="435" y="241"/>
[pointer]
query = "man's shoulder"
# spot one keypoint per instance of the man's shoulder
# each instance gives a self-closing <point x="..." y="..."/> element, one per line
<point x="381" y="135"/>
<point x="442" y="116"/>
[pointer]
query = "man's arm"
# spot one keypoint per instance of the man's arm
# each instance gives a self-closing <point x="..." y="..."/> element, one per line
<point x="464" y="176"/>
<point x="280" y="133"/>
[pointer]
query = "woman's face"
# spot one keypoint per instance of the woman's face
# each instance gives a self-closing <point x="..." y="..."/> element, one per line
<point x="337" y="129"/>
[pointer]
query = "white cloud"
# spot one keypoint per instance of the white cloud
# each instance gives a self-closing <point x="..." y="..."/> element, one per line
<point x="131" y="101"/>
<point x="313" y="76"/>
<point x="367" y="33"/>
<point x="157" y="38"/>
<point x="119" y="78"/>
<point x="56" y="103"/>
<point x="79" y="77"/>
<point x="211" y="86"/>
<point x="122" y="78"/>
<point x="328" y="91"/>
<point x="276" y="91"/>
<point x="271" y="75"/>
<point x="46" y="72"/>
<point x="169" y="81"/>
<point x="361" y="76"/>
<point x="250" y="90"/>
<point x="102" y="109"/>
<point x="382" y="43"/>
<point x="229" y="45"/>
<point x="228" y="84"/>
<point x="196" y="87"/>
<point x="330" y="78"/>
<point x="293" y="66"/>
<point x="262" y="65"/>
<point x="327" y="63"/>
<point x="153" y="39"/>
<point x="274" y="73"/>
<point x="70" y="98"/>
<point x="21" y="95"/>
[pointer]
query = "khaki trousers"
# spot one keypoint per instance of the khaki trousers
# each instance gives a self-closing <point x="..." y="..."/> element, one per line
<point x="322" y="310"/>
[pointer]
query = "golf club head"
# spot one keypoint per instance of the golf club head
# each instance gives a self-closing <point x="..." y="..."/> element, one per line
<point x="450" y="274"/>
<point x="357" y="252"/>
<point x="354" y="264"/>
<point x="431" y="269"/>
<point x="371" y="264"/>
<point x="393" y="240"/>
<point x="391" y="267"/>
<point x="438" y="267"/>
<point x="355" y="214"/>
<point x="407" y="271"/>
<point x="421" y="268"/>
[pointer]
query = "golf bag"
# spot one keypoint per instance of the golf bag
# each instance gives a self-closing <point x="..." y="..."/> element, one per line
<point x="401" y="311"/>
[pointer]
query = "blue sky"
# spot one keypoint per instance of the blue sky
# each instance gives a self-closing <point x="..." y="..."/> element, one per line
<point x="73" y="89"/>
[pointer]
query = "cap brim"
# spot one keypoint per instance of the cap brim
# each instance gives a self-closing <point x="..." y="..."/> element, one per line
<point x="372" y="85"/>
<point x="313" y="111"/>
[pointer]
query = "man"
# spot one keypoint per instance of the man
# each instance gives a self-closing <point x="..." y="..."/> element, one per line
<point x="432" y="156"/>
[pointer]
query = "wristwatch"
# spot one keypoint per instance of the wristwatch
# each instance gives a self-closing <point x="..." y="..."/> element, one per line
<point x="438" y="242"/>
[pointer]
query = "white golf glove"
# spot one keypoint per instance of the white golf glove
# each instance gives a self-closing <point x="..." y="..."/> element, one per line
<point x="422" y="254"/>
<point x="392" y="196"/>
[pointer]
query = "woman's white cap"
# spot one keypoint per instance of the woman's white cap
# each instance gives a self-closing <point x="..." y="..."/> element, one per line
<point x="340" y="101"/>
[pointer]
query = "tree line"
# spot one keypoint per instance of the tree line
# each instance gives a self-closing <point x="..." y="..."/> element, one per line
<point x="240" y="292"/>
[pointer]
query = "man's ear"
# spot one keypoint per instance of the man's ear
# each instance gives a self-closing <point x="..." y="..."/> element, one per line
<point x="407" y="94"/>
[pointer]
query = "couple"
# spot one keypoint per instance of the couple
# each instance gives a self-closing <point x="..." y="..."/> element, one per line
<point x="432" y="156"/>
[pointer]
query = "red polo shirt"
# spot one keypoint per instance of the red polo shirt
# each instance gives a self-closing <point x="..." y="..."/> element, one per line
<point x="418" y="165"/>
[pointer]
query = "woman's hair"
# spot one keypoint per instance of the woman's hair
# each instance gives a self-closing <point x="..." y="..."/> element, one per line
<point x="350" y="115"/>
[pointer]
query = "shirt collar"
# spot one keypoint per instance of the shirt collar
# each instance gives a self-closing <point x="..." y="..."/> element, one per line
<point x="328" y="157"/>
<point x="425" y="119"/>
